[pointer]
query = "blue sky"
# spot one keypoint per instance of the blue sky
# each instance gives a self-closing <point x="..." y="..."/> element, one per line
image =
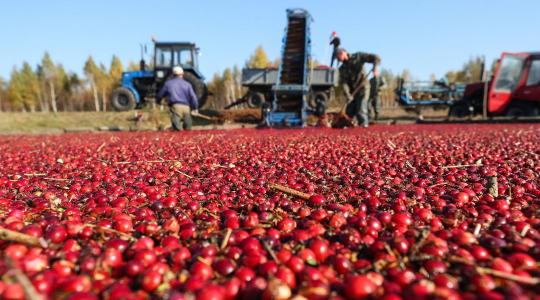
<point x="424" y="36"/>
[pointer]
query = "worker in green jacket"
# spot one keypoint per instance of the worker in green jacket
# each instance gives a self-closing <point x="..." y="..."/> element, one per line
<point x="355" y="84"/>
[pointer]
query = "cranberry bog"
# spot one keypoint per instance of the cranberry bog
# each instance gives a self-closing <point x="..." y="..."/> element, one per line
<point x="393" y="212"/>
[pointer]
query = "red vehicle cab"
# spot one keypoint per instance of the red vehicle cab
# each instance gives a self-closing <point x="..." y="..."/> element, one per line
<point x="515" y="88"/>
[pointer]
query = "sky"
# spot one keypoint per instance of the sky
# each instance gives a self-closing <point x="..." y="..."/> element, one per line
<point x="426" y="37"/>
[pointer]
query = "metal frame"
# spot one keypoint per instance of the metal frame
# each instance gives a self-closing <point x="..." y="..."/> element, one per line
<point x="405" y="98"/>
<point x="293" y="118"/>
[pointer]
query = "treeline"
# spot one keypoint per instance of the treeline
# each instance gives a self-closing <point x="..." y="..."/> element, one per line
<point x="49" y="87"/>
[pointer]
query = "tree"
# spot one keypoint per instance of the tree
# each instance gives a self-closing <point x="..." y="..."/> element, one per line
<point x="62" y="86"/>
<point x="276" y="62"/>
<point x="215" y="86"/>
<point x="313" y="63"/>
<point x="237" y="77"/>
<point x="42" y="94"/>
<point x="49" y="74"/>
<point x="2" y="93"/>
<point x="406" y="75"/>
<point x="115" y="71"/>
<point x="259" y="59"/>
<point x="493" y="67"/>
<point x="133" y="66"/>
<point x="112" y="79"/>
<point x="73" y="88"/>
<point x="228" y="87"/>
<point x="24" y="88"/>
<point x="91" y="71"/>
<point x="103" y="84"/>
<point x="390" y="78"/>
<point x="471" y="71"/>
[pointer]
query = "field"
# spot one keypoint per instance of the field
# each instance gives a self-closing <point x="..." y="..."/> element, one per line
<point x="153" y="119"/>
<point x="400" y="212"/>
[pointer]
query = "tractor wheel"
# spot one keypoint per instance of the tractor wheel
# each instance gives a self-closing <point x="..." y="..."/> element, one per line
<point x="459" y="110"/>
<point x="316" y="99"/>
<point x="198" y="87"/>
<point x="123" y="99"/>
<point x="520" y="109"/>
<point x="256" y="100"/>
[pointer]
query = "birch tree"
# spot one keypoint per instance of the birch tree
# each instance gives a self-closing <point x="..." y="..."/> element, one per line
<point x="50" y="76"/>
<point x="90" y="71"/>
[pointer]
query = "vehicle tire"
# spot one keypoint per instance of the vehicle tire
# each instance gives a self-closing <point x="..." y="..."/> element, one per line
<point x="520" y="109"/>
<point x="199" y="87"/>
<point x="459" y="110"/>
<point x="317" y="98"/>
<point x="255" y="100"/>
<point x="123" y="99"/>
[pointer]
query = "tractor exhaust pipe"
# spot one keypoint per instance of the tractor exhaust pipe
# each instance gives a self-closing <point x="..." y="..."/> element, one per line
<point x="142" y="63"/>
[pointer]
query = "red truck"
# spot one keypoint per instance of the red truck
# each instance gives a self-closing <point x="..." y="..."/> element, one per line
<point x="514" y="89"/>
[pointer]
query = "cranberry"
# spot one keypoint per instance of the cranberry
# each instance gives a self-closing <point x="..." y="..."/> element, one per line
<point x="359" y="287"/>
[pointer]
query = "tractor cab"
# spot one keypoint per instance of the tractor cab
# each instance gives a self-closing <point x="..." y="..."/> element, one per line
<point x="515" y="88"/>
<point x="139" y="86"/>
<point x="168" y="55"/>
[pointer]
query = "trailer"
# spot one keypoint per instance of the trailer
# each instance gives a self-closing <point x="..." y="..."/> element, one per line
<point x="513" y="91"/>
<point x="415" y="93"/>
<point x="260" y="82"/>
<point x="296" y="89"/>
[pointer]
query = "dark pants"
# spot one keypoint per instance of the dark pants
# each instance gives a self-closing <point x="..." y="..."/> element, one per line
<point x="375" y="105"/>
<point x="359" y="106"/>
<point x="180" y="114"/>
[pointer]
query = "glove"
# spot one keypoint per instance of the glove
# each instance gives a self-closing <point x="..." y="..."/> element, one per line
<point x="195" y="112"/>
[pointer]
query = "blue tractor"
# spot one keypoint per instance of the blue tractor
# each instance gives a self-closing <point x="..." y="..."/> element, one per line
<point x="137" y="87"/>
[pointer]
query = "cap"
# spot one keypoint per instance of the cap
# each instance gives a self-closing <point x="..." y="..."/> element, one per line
<point x="177" y="70"/>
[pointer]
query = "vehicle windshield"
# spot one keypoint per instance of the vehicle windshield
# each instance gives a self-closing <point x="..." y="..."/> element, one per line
<point x="163" y="57"/>
<point x="183" y="57"/>
<point x="509" y="73"/>
<point x="534" y="73"/>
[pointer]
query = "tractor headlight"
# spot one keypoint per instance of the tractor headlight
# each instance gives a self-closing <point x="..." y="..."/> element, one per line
<point x="160" y="74"/>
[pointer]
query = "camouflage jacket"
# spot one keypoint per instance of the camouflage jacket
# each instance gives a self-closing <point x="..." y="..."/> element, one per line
<point x="351" y="72"/>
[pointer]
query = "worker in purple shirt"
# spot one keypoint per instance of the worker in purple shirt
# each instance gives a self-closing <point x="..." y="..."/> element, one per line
<point x="182" y="99"/>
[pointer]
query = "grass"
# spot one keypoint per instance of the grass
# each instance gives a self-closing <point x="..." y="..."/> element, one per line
<point x="40" y="122"/>
<point x="153" y="119"/>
